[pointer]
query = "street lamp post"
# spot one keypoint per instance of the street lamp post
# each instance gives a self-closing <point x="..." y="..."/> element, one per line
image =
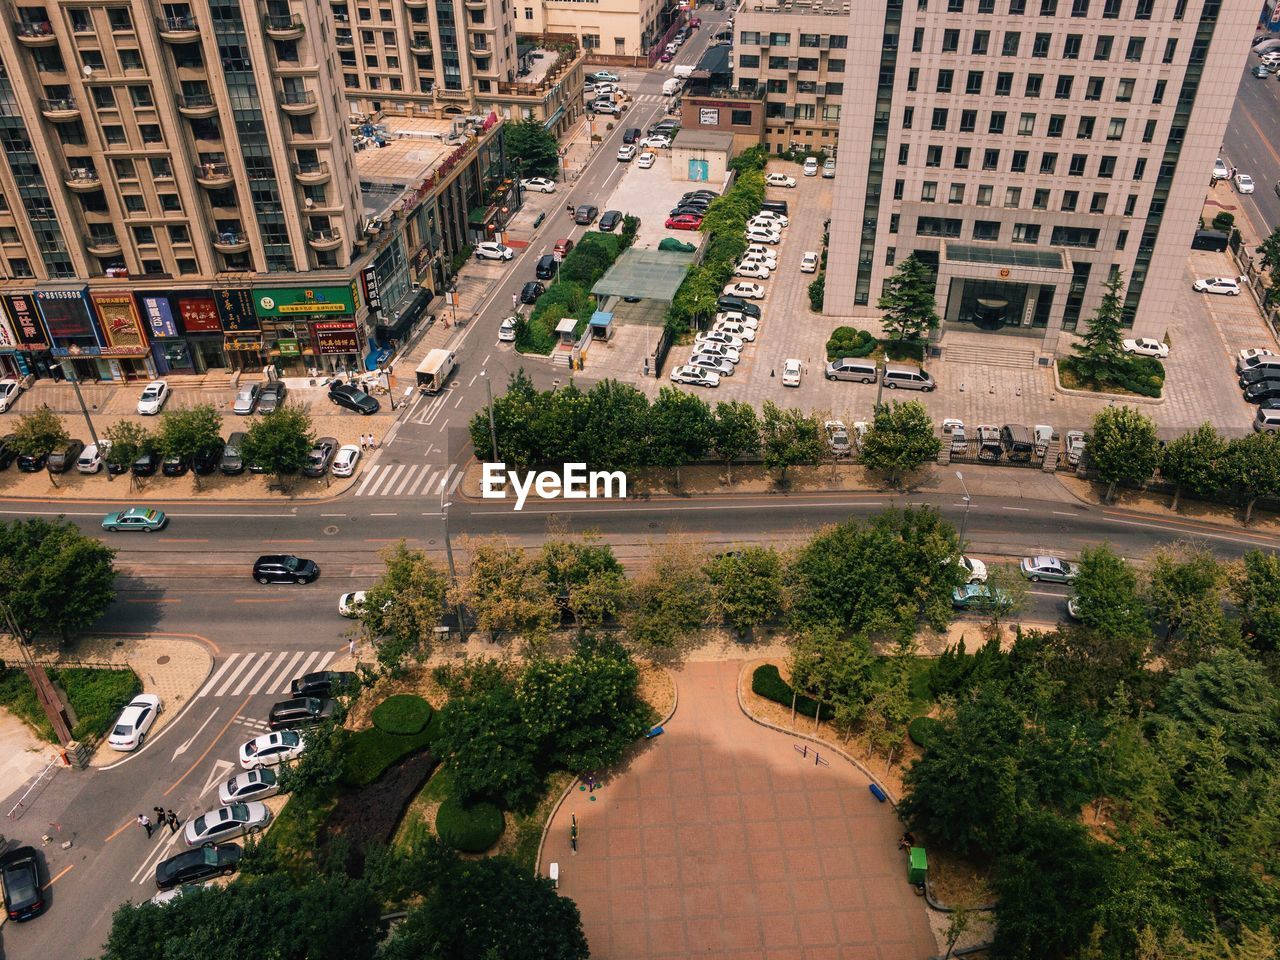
<point x="964" y="521"/>
<point x="93" y="434"/>
<point x="493" y="430"/>
<point x="453" y="572"/>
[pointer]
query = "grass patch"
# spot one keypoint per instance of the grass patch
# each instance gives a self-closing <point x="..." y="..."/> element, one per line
<point x="405" y="714"/>
<point x="469" y="829"/>
<point x="370" y="752"/>
<point x="96" y="697"/>
<point x="1142" y="377"/>
<point x="521" y="842"/>
<point x="294" y="836"/>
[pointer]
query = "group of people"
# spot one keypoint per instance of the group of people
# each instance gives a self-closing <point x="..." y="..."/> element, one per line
<point x="163" y="817"/>
<point x="368" y="442"/>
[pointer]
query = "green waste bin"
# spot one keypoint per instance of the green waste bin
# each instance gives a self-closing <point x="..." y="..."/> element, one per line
<point x="917" y="866"/>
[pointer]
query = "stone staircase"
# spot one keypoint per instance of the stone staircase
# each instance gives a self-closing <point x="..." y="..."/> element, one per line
<point x="989" y="354"/>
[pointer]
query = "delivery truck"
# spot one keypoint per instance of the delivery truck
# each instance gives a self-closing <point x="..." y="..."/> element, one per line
<point x="434" y="370"/>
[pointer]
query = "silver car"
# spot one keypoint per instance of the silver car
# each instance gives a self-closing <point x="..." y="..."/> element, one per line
<point x="252" y="785"/>
<point x="704" y="361"/>
<point x="247" y="399"/>
<point x="226" y="823"/>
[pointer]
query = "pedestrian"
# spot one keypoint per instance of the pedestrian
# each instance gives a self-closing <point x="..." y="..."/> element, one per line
<point x="362" y="443"/>
<point x="171" y="818"/>
<point x="159" y="812"/>
<point x="515" y="302"/>
<point x="351" y="646"/>
<point x="145" y="823"/>
<point x="373" y="442"/>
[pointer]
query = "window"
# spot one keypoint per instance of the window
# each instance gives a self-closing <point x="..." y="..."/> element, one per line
<point x="1048" y="163"/>
<point x="1148" y="131"/>
<point x="1098" y="203"/>
<point x="1124" y="92"/>
<point x="778" y="63"/>
<point x="1122" y="238"/>
<point x="984" y="195"/>
<point x="1063" y="89"/>
<point x="1009" y="47"/>
<point x="1102" y="49"/>
<point x="1026" y="233"/>
<point x="913" y="78"/>
<point x="938" y="227"/>
<point x="740" y="118"/>
<point x="810" y="39"/>
<point x="973" y="83"/>
<point x="1093" y="89"/>
<point x="1111" y="9"/>
<point x="161" y="169"/>
<point x="990" y="159"/>
<point x="928" y="191"/>
<point x="1076" y="167"/>
<point x="80" y="21"/>
<point x="119" y="18"/>
<point x="1157" y="95"/>
<point x="776" y="86"/>
<point x="1115" y="129"/>
<point x="904" y="153"/>
<point x="1140" y="168"/>
<point x="1004" y="84"/>
<point x="1012" y="196"/>
<point x="1040" y="46"/>
<point x="113" y="134"/>
<point x="957" y="193"/>
<point x="1133" y="52"/>
<point x="945" y="78"/>
<point x="950" y="41"/>
<point x="144" y="236"/>
<point x="141" y="96"/>
<point x="939" y="121"/>
<point x="955" y="6"/>
<point x="130" y="60"/>
<point x="1130" y="204"/>
<point x="968" y="121"/>
<point x="1080" y="8"/>
<point x="170" y="203"/>
<point x="1107" y="167"/>
<point x="779" y="39"/>
<point x="1048" y="8"/>
<point x="908" y="115"/>
<point x="1026" y="124"/>
<point x="1017" y="7"/>
<point x="1074" y="237"/>
<point x="986" y="6"/>
<point x="1085" y="130"/>
<point x="838" y="41"/>
<point x="1056" y="122"/>
<point x="986" y="230"/>
<point x="1071" y="49"/>
<point x="834" y="89"/>
<point x="747" y="38"/>
<point x="1035" y="82"/>
<point x="899" y="186"/>
<point x="981" y="38"/>
<point x="124" y="169"/>
<point x="933" y="156"/>
<point x="890" y="254"/>
<point x="749" y="60"/>
<point x="1144" y="10"/>
<point x="996" y="124"/>
<point x="1019" y="164"/>
<point x="1170" y="47"/>
<point x="962" y="158"/>
<point x="917" y="40"/>
<point x="835" y="66"/>
<point x="893" y="222"/>
<point x="1040" y="199"/>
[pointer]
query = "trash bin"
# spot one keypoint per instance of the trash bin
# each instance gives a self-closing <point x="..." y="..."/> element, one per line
<point x="917" y="866"/>
<point x="877" y="792"/>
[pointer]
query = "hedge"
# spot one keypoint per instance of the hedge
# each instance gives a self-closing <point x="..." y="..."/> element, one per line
<point x="1141" y="375"/>
<point x="768" y="683"/>
<point x="922" y="730"/>
<point x="470" y="829"/>
<point x="570" y="294"/>
<point x="849" y="342"/>
<point x="404" y="714"/>
<point x="368" y="754"/>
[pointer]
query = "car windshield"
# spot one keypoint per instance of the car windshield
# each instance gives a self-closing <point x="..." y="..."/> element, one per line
<point x="17" y="880"/>
<point x="292" y="563"/>
<point x="200" y="825"/>
<point x="150" y="393"/>
<point x="238" y="811"/>
<point x="210" y="857"/>
<point x="122" y="730"/>
<point x="290" y="739"/>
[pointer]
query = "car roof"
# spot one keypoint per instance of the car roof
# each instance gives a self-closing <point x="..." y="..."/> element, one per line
<point x="1044" y="561"/>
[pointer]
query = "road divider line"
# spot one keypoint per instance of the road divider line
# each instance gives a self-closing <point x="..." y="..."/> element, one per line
<point x="1064" y="513"/>
<point x="261" y="600"/>
<point x="384" y="514"/>
<point x="200" y="759"/>
<point x="1194" y="531"/>
<point x="182" y="539"/>
<point x="288" y="541"/>
<point x="59" y="875"/>
<point x="1018" y="509"/>
<point x="150" y="601"/>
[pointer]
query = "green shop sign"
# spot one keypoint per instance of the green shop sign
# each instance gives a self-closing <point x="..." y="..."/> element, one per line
<point x="295" y="301"/>
<point x="288" y="348"/>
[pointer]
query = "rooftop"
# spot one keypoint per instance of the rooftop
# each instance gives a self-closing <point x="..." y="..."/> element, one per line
<point x="703" y="140"/>
<point x="412" y="148"/>
<point x="652" y="274"/>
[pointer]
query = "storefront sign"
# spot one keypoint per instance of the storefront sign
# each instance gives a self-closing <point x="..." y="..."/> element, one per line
<point x="708" y="116"/>
<point x="66" y="316"/>
<point x="372" y="297"/>
<point x="8" y="342"/>
<point x="235" y="310"/>
<point x="21" y="309"/>
<point x="289" y="348"/>
<point x="243" y="341"/>
<point x="120" y="323"/>
<point x="159" y="316"/>
<point x="277" y="302"/>
<point x="336" y="337"/>
<point x="199" y="314"/>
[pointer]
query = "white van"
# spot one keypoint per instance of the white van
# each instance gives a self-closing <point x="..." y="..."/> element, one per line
<point x="1267" y="420"/>
<point x="684" y="71"/>
<point x="671" y="87"/>
<point x="907" y="377"/>
<point x="810" y="166"/>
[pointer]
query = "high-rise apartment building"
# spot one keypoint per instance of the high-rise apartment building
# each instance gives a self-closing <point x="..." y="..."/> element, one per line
<point x="1025" y="149"/>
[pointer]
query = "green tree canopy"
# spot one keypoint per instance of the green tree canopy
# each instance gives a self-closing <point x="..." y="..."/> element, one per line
<point x="38" y="433"/>
<point x="900" y="439"/>
<point x="1123" y="447"/>
<point x="1186" y="587"/>
<point x="129" y="440"/>
<point x="910" y="308"/>
<point x="1252" y="463"/>
<point x="680" y="429"/>
<point x="190" y="432"/>
<point x="790" y="438"/>
<point x="1257" y="592"/>
<point x="532" y="148"/>
<point x="404" y="606"/>
<point x="54" y="579"/>
<point x="507" y="591"/>
<point x="747" y="586"/>
<point x="279" y="440"/>
<point x="1193" y="462"/>
<point x="735" y="432"/>
<point x="584" y="577"/>
<point x="670" y="599"/>
<point x="1099" y="350"/>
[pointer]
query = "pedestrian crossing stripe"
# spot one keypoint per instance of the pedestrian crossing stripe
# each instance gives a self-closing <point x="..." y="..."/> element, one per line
<point x="253" y="673"/>
<point x="408" y="480"/>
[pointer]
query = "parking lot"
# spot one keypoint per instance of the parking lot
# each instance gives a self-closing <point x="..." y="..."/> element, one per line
<point x="650" y="195"/>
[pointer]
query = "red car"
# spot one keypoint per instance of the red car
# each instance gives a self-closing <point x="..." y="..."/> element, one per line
<point x="685" y="221"/>
<point x="563" y="247"/>
<point x="666" y="57"/>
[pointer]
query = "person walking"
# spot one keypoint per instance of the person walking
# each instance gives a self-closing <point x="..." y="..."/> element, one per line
<point x="159" y="812"/>
<point x="145" y="823"/>
<point x="171" y="818"/>
<point x="362" y="443"/>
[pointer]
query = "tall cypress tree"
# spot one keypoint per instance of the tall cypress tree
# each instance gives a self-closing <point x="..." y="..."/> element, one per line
<point x="1099" y="351"/>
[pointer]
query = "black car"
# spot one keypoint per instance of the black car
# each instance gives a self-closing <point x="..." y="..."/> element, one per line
<point x="232" y="461"/>
<point x="299" y="712"/>
<point x="272" y="396"/>
<point x="546" y="268"/>
<point x="196" y="866"/>
<point x="175" y="466"/>
<point x="632" y="135"/>
<point x="64" y="456"/>
<point x="738" y="304"/>
<point x="320" y="457"/>
<point x="705" y="194"/>
<point x="586" y="214"/>
<point x="532" y="291"/>
<point x="32" y="462"/>
<point x="207" y="461"/>
<point x="1258" y="375"/>
<point x="284" y="568"/>
<point x="610" y="220"/>
<point x="8" y="451"/>
<point x="323" y="684"/>
<point x="1265" y="390"/>
<point x="147" y="464"/>
<point x="690" y="209"/>
<point x="353" y="398"/>
<point x="20" y="877"/>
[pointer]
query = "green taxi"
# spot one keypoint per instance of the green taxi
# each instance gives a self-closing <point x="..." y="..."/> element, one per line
<point x="135" y="518"/>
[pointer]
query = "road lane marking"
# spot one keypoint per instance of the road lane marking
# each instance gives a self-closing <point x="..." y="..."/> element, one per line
<point x="285" y="670"/>
<point x="153" y="858"/>
<point x="182" y="747"/>
<point x="1018" y="509"/>
<point x="208" y="684"/>
<point x="445" y="479"/>
<point x="384" y="514"/>
<point x="1063" y="513"/>
<point x="409" y="477"/>
<point x="61" y="873"/>
<point x="259" y="663"/>
<point x="200" y="759"/>
<point x="261" y="600"/>
<point x="182" y="539"/>
<point x="288" y="541"/>
<point x="150" y="601"/>
<point x="245" y="661"/>
<point x="390" y="473"/>
<point x="333" y="514"/>
<point x="1195" y="531"/>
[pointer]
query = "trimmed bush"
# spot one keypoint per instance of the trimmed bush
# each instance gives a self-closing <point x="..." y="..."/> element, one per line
<point x="768" y="683"/>
<point x="849" y="342"/>
<point x="469" y="829"/>
<point x="818" y="287"/>
<point x="1141" y="375"/>
<point x="404" y="714"/>
<point x="1224" y="221"/>
<point x="367" y="754"/>
<point x="904" y="350"/>
<point x="922" y="730"/>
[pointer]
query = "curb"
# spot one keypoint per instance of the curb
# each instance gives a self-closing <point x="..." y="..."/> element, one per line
<point x="328" y="497"/>
<point x="1100" y="395"/>
<point x="546" y="827"/>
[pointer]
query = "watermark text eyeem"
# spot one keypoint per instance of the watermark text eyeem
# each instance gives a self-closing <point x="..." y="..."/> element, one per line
<point x="573" y="482"/>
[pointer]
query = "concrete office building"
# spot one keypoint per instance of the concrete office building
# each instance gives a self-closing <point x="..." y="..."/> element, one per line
<point x="604" y="28"/>
<point x="1024" y="148"/>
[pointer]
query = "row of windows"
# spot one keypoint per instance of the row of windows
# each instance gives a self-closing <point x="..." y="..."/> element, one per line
<point x="1086" y="126"/>
<point x="802" y="86"/>
<point x="1064" y="86"/>
<point x="752" y="38"/>
<point x="1111" y="9"/>
<point x="1020" y="162"/>
<point x="1071" y="201"/>
<point x="803" y="64"/>
<point x="1041" y="44"/>
<point x="990" y="230"/>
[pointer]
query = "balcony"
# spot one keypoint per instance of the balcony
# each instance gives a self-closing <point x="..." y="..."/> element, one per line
<point x="82" y="179"/>
<point x="298" y="102"/>
<point x="287" y="27"/>
<point x="312" y="173"/>
<point x="102" y="245"/>
<point x="214" y="175"/>
<point x="479" y="46"/>
<point x="420" y="43"/>
<point x="416" y="3"/>
<point x="344" y="39"/>
<point x="329" y="239"/>
<point x="477" y="4"/>
<point x="444" y="93"/>
<point x="197" y="105"/>
<point x="178" y="29"/>
<point x="35" y="33"/>
<point x="230" y="241"/>
<point x="59" y="109"/>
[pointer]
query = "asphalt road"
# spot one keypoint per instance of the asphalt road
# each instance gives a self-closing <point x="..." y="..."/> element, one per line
<point x="1248" y="146"/>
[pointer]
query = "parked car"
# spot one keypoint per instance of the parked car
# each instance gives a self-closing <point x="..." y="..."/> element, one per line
<point x="344" y="463"/>
<point x="646" y="160"/>
<point x="791" y="372"/>
<point x="829" y="168"/>
<point x="32" y="462"/>
<point x="749" y="291"/>
<point x="153" y="398"/>
<point x="838" y="437"/>
<point x="492" y="250"/>
<point x="1258" y="375"/>
<point x="585" y="215"/>
<point x="627" y="152"/>
<point x="779" y="180"/>
<point x="718" y="336"/>
<point x="856" y="369"/>
<point x="539" y="184"/>
<point x="1244" y="183"/>
<point x="684" y="221"/>
<point x="810" y="168"/>
<point x="762" y="256"/>
<point x="271" y="749"/>
<point x="531" y="291"/>
<point x="1049" y="569"/>
<point x="9" y="391"/>
<point x="226" y="823"/>
<point x="705" y="361"/>
<point x="9" y="451"/>
<point x="207" y="461"/>
<point x="174" y="466"/>
<point x="93" y="457"/>
<point x="64" y="456"/>
<point x="324" y="683"/>
<point x="733" y="328"/>
<point x="1073" y="444"/>
<point x="752" y="269"/>
<point x="604" y="76"/>
<point x="1220" y="170"/>
<point x="1146" y="347"/>
<point x="320" y="457"/>
<point x="975" y="570"/>
<point x="728" y="301"/>
<point x="507" y="330"/>
<point x="20" y="882"/>
<point x="718" y="350"/>
<point x="1227" y="286"/>
<point x="695" y="377"/>
<point x="1261" y="71"/>
<point x="232" y="461"/>
<point x="130" y="731"/>
<point x="562" y="247"/>
<point x="610" y="219"/>
<point x="1263" y="390"/>
<point x="978" y="596"/>
<point x="657" y="141"/>
<point x="285" y="568"/>
<point x="763" y="235"/>
<point x="253" y="785"/>
<point x="1247" y="354"/>
<point x="147" y="464"/>
<point x="271" y="396"/>
<point x="196" y="866"/>
<point x="353" y="398"/>
<point x="546" y="267"/>
<point x="146" y="519"/>
<point x="299" y="712"/>
<point x="605" y="106"/>
<point x="631" y="135"/>
<point x="809" y="262"/>
<point x="733" y="316"/>
<point x="766" y="217"/>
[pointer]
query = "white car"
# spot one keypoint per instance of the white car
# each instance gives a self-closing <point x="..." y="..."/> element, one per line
<point x="254" y="785"/>
<point x="540" y="184"/>
<point x="809" y="262"/>
<point x="349" y="604"/>
<point x="757" y="270"/>
<point x="606" y="106"/>
<point x="646" y="160"/>
<point x="1146" y="347"/>
<point x="507" y="330"/>
<point x="344" y="463"/>
<point x="719" y="336"/>
<point x="695" y="377"/>
<point x="810" y="168"/>
<point x="976" y="570"/>
<point x="763" y="235"/>
<point x="607" y="89"/>
<point x="153" y="398"/>
<point x="1220" y="170"/>
<point x="626" y="153"/>
<point x="226" y="823"/>
<point x="732" y="354"/>
<point x="93" y="456"/>
<point x="791" y="370"/>
<point x="269" y="749"/>
<point x="605" y="76"/>
<point x="1074" y="446"/>
<point x="769" y="259"/>
<point x="1247" y="354"/>
<point x="130" y="731"/>
<point x="1244" y="183"/>
<point x="769" y="215"/>
<point x="779" y="180"/>
<point x="9" y="390"/>
<point x="705" y="361"/>
<point x="748" y="291"/>
<point x="742" y="332"/>
<point x="733" y="316"/>
<point x="656" y="142"/>
<point x="838" y="437"/>
<point x="760" y="249"/>
<point x="1227" y="286"/>
<point x="492" y="250"/>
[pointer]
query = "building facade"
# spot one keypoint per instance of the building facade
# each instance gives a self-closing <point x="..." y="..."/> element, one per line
<point x="603" y="28"/>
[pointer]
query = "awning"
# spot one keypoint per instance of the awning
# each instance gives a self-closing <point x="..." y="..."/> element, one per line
<point x="552" y="120"/>
<point x="412" y="312"/>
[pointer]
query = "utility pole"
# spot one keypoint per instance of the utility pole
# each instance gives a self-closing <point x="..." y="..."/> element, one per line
<point x="453" y="573"/>
<point x="45" y="691"/>
<point x="93" y="434"/>
<point x="493" y="430"/>
<point x="964" y="521"/>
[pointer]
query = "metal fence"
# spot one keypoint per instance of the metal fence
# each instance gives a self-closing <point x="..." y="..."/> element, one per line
<point x="991" y="453"/>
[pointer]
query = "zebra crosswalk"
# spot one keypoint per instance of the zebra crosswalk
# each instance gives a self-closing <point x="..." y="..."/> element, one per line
<point x="408" y="480"/>
<point x="270" y="672"/>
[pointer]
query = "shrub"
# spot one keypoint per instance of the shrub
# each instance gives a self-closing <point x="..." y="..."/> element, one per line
<point x="905" y="350"/>
<point x="768" y="683"/>
<point x="818" y="289"/>
<point x="469" y="829"/>
<point x="1224" y="221"/>
<point x="96" y="697"/>
<point x="404" y="714"/>
<point x="368" y="754"/>
<point x="849" y="342"/>
<point x="922" y="730"/>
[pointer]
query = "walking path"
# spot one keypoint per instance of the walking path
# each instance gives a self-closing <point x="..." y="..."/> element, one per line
<point x="721" y="841"/>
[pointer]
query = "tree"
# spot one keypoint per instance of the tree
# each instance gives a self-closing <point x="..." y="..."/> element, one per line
<point x="514" y="416"/>
<point x="888" y="707"/>
<point x="129" y="440"/>
<point x="1193" y="462"/>
<point x="1269" y="251"/>
<point x="1123" y="447"/>
<point x="900" y="439"/>
<point x="833" y="670"/>
<point x="533" y="149"/>
<point x="280" y="440"/>
<point x="404" y="606"/>
<point x="53" y="578"/>
<point x="958" y="922"/>
<point x="1252" y="463"/>
<point x="670" y="599"/>
<point x="1099" y="350"/>
<point x="39" y="432"/>
<point x="1186" y="587"/>
<point x="735" y="432"/>
<point x="189" y="433"/>
<point x="747" y="586"/>
<point x="507" y="591"/>
<point x="1009" y="595"/>
<point x="910" y="308"/>
<point x="616" y="417"/>
<point x="680" y="429"/>
<point x="585" y="578"/>
<point x="1257" y="592"/>
<point x="789" y="438"/>
<point x="309" y="779"/>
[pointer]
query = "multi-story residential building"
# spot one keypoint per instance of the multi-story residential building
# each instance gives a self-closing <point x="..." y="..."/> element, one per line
<point x="180" y="190"/>
<point x="604" y="28"/>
